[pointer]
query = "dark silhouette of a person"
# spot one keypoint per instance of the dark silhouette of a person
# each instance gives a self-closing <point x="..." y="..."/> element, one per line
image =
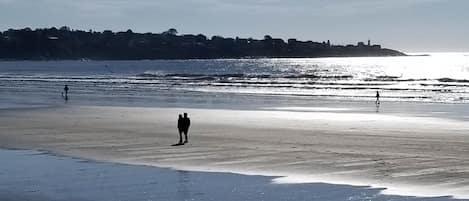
<point x="180" y="127"/>
<point x="377" y="97"/>
<point x="186" y="123"/>
<point x="66" y="92"/>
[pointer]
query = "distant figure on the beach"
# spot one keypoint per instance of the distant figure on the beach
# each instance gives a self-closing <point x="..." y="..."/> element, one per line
<point x="66" y="92"/>
<point x="180" y="127"/>
<point x="377" y="98"/>
<point x="186" y="123"/>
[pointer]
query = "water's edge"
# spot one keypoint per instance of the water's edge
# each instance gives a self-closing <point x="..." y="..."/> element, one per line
<point x="34" y="174"/>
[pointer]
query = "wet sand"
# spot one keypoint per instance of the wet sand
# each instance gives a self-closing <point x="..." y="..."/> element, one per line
<point x="38" y="176"/>
<point x="408" y="155"/>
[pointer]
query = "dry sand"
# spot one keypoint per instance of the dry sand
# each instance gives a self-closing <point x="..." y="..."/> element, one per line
<point x="408" y="155"/>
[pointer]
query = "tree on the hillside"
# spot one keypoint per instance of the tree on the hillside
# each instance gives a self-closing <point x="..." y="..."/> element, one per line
<point x="171" y="32"/>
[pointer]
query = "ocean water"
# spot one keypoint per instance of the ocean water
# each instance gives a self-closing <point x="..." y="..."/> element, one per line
<point x="441" y="78"/>
<point x="37" y="176"/>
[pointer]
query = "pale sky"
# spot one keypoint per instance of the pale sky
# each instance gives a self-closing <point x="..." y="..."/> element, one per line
<point x="406" y="25"/>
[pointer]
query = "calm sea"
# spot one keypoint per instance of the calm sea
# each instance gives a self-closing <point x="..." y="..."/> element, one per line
<point x="438" y="78"/>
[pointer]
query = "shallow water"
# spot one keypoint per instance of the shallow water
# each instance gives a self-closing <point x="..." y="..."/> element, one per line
<point x="442" y="78"/>
<point x="435" y="85"/>
<point x="36" y="175"/>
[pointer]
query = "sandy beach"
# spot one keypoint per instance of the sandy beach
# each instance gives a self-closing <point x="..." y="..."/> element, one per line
<point x="40" y="175"/>
<point x="408" y="155"/>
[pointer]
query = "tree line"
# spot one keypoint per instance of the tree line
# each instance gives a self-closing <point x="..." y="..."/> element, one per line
<point x="65" y="43"/>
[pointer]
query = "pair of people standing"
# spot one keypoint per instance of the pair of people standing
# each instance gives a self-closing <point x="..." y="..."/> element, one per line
<point x="183" y="126"/>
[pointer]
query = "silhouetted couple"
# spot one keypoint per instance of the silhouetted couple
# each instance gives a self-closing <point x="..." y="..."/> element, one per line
<point x="183" y="126"/>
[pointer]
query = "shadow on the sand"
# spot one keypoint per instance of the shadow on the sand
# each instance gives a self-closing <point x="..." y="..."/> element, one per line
<point x="177" y="144"/>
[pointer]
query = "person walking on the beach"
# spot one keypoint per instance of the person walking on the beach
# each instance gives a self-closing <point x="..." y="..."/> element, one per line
<point x="180" y="127"/>
<point x="186" y="123"/>
<point x="377" y="98"/>
<point x="66" y="92"/>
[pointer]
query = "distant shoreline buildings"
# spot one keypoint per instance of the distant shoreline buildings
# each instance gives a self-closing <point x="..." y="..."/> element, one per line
<point x="64" y="43"/>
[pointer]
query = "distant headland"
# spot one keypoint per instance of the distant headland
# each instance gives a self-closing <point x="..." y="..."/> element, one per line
<point x="65" y="43"/>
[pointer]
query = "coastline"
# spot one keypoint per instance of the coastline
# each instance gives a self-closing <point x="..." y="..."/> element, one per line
<point x="208" y="59"/>
<point x="170" y="45"/>
<point x="41" y="175"/>
<point x="380" y="150"/>
<point x="85" y="59"/>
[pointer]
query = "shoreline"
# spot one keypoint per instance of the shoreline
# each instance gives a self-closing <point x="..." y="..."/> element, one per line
<point x="260" y="102"/>
<point x="46" y="173"/>
<point x="374" y="149"/>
